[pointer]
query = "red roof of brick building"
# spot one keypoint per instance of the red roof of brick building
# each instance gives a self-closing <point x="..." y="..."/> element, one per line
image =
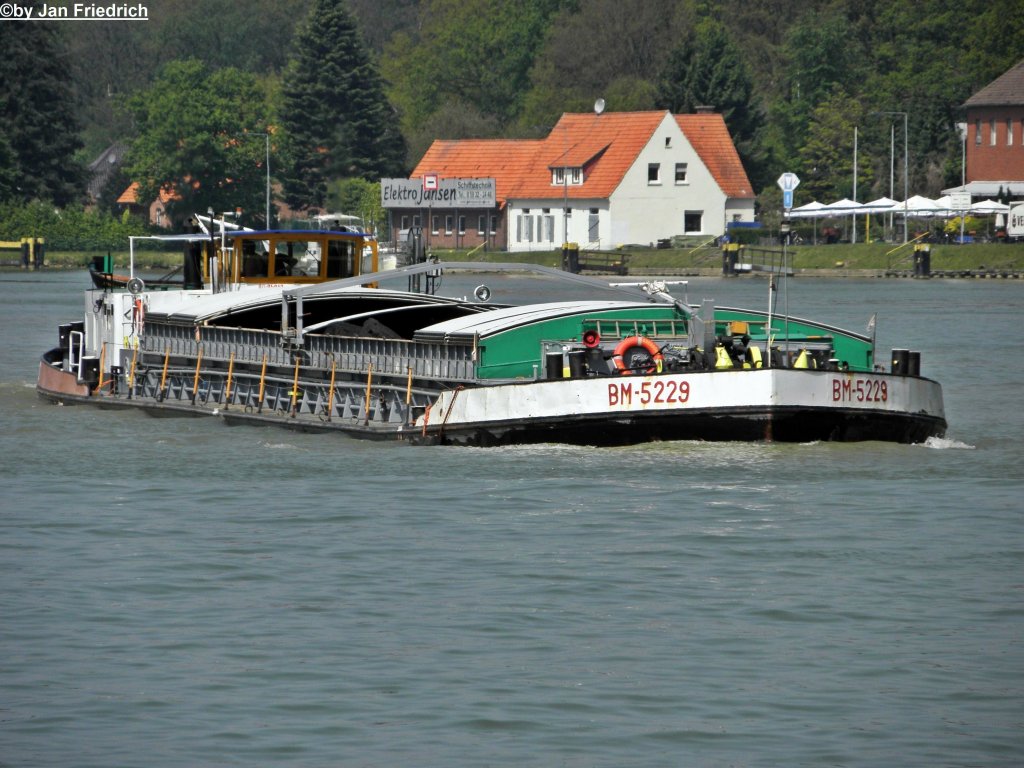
<point x="605" y="146"/>
<point x="1007" y="90"/>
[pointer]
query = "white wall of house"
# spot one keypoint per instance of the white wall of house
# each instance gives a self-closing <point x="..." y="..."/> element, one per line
<point x="541" y="225"/>
<point x="668" y="191"/>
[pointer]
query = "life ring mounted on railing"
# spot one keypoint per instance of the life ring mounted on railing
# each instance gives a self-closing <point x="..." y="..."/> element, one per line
<point x="637" y="354"/>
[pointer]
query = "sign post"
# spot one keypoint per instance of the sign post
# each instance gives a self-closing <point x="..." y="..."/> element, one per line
<point x="787" y="183"/>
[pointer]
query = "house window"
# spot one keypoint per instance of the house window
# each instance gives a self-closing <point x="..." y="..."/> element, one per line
<point x="593" y="226"/>
<point x="549" y="228"/>
<point x="481" y="225"/>
<point x="992" y="133"/>
<point x="447" y="225"/>
<point x="462" y="225"/>
<point x="494" y="225"/>
<point x="668" y="142"/>
<point x="528" y="229"/>
<point x="977" y="132"/>
<point x="405" y="223"/>
<point x="693" y="222"/>
<point x="559" y="176"/>
<point x="435" y="224"/>
<point x="416" y="220"/>
<point x="654" y="173"/>
<point x="1009" y="131"/>
<point x="680" y="173"/>
<point x="577" y="175"/>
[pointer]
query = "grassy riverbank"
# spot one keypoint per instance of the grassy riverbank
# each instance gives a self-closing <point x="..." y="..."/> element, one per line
<point x="873" y="257"/>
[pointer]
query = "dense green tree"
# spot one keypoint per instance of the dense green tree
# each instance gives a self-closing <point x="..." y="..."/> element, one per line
<point x="476" y="52"/>
<point x="37" y="116"/>
<point x="337" y="120"/>
<point x="826" y="171"/>
<point x="610" y="49"/>
<point x="196" y="140"/>
<point x="708" y="70"/>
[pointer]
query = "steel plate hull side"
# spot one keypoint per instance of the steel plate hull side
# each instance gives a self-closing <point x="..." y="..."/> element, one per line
<point x="772" y="404"/>
<point x="56" y="384"/>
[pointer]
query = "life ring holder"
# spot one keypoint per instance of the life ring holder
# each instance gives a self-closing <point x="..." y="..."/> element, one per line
<point x="636" y="341"/>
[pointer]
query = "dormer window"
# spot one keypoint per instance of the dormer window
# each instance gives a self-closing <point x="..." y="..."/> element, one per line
<point x="562" y="176"/>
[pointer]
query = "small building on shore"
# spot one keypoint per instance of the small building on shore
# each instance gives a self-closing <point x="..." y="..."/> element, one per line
<point x="994" y="140"/>
<point x="599" y="180"/>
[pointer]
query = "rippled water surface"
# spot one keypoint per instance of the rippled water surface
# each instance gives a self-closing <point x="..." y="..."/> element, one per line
<point x="178" y="592"/>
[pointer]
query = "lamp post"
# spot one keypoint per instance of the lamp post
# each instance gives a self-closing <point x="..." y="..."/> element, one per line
<point x="905" y="163"/>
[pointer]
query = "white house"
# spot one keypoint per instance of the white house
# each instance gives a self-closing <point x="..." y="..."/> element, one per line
<point x="602" y="180"/>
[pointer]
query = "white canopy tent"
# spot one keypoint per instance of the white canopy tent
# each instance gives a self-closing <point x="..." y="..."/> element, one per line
<point x="988" y="207"/>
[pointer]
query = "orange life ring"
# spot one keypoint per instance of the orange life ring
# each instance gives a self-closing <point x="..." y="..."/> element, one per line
<point x="631" y="342"/>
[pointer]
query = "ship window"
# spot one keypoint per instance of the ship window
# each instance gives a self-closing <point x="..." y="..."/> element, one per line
<point x="340" y="259"/>
<point x="254" y="264"/>
<point x="296" y="258"/>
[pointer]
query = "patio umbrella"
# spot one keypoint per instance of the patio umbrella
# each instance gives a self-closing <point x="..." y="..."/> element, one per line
<point x="811" y="210"/>
<point x="986" y="207"/>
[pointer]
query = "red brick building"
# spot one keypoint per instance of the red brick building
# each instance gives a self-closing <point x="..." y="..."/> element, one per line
<point x="995" y="136"/>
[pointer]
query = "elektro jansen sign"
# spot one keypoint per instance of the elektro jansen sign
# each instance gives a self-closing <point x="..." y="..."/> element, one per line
<point x="450" y="193"/>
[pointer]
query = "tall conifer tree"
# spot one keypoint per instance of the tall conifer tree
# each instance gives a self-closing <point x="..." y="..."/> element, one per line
<point x="337" y="119"/>
<point x="37" y="117"/>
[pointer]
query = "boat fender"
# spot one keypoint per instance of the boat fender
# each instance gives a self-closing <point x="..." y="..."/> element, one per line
<point x="632" y="343"/>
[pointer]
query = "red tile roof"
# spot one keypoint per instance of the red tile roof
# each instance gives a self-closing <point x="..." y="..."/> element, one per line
<point x="131" y="195"/>
<point x="710" y="139"/>
<point x="605" y="146"/>
<point x="1007" y="90"/>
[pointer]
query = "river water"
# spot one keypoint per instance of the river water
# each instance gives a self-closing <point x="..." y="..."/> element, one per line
<point x="181" y="593"/>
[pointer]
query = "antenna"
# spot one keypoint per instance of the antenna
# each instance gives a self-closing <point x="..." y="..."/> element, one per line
<point x="599" y="106"/>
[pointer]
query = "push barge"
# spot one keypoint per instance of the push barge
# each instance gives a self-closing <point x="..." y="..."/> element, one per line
<point x="296" y="330"/>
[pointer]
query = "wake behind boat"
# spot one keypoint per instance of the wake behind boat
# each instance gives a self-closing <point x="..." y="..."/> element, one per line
<point x="327" y="347"/>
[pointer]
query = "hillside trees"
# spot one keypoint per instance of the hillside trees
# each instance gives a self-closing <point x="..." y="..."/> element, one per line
<point x="610" y="49"/>
<point x="708" y="70"/>
<point x="475" y="54"/>
<point x="337" y="120"/>
<point x="194" y="140"/>
<point x="826" y="159"/>
<point x="37" y="116"/>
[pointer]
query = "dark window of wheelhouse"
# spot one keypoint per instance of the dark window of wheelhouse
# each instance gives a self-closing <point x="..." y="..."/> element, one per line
<point x="340" y="259"/>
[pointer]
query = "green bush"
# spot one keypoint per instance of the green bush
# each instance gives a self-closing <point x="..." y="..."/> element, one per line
<point x="69" y="229"/>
